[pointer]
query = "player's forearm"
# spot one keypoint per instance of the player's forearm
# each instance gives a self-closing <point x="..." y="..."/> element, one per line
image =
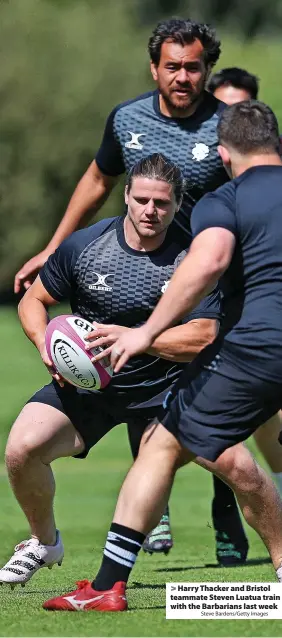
<point x="193" y="280"/>
<point x="88" y="197"/>
<point x="34" y="319"/>
<point x="183" y="343"/>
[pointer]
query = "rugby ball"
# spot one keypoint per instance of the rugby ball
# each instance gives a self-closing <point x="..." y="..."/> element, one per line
<point x="65" y="345"/>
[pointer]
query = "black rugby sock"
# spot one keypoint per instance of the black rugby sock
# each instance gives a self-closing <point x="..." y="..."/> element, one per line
<point x="223" y="497"/>
<point x="120" y="553"/>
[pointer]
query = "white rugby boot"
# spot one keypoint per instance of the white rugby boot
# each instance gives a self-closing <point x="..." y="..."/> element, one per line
<point x="30" y="556"/>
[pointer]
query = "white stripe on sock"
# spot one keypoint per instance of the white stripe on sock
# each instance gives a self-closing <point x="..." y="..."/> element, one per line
<point x="119" y="551"/>
<point x="117" y="559"/>
<point x="112" y="536"/>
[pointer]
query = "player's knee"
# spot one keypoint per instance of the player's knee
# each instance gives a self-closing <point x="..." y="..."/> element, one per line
<point x="158" y="443"/>
<point x="240" y="470"/>
<point x="20" y="448"/>
<point x="246" y="478"/>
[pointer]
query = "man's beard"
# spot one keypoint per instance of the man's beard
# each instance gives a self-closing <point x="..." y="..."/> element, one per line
<point x="181" y="105"/>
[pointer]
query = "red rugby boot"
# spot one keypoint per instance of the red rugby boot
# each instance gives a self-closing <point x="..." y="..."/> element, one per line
<point x="85" y="598"/>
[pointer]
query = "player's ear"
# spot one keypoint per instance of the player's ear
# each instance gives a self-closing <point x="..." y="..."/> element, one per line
<point x="126" y="195"/>
<point x="154" y="71"/>
<point x="224" y="154"/>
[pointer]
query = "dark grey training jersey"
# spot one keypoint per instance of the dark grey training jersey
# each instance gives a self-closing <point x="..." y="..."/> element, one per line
<point x="137" y="128"/>
<point x="109" y="282"/>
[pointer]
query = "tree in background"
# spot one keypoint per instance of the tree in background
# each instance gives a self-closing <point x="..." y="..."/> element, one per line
<point x="64" y="65"/>
<point x="248" y="18"/>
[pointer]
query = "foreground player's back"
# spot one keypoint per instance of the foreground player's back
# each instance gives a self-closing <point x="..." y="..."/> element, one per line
<point x="251" y="207"/>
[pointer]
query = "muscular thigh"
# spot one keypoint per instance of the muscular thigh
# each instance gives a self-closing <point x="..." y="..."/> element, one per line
<point x="45" y="430"/>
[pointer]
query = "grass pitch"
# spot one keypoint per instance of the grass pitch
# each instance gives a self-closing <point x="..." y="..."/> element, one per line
<point x="86" y="494"/>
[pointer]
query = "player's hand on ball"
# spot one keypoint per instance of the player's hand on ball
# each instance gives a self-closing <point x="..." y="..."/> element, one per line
<point x="29" y="271"/>
<point x="48" y="363"/>
<point x="130" y="343"/>
<point x="104" y="336"/>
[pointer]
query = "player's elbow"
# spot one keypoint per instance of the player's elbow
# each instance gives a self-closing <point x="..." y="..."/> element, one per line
<point x="24" y="304"/>
<point x="24" y="308"/>
<point x="205" y="332"/>
<point x="209" y="332"/>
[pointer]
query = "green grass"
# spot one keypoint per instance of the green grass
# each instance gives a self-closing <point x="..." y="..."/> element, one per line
<point x="86" y="494"/>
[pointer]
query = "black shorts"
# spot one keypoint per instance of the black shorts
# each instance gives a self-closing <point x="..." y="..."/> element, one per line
<point x="94" y="414"/>
<point x="216" y="404"/>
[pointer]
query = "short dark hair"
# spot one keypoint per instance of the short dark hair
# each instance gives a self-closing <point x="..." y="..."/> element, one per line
<point x="249" y="127"/>
<point x="239" y="78"/>
<point x="184" y="32"/>
<point x="157" y="166"/>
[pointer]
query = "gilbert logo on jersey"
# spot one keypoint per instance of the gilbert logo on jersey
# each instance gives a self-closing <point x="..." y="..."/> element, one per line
<point x="134" y="142"/>
<point x="101" y="283"/>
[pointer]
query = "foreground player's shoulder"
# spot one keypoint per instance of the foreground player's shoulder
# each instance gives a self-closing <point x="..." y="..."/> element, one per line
<point x="226" y="193"/>
<point x="217" y="209"/>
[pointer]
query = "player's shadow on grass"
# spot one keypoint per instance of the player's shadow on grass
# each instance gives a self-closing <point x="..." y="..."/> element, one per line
<point x="248" y="563"/>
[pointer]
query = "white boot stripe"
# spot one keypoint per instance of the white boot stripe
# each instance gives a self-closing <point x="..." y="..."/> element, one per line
<point x="28" y="558"/>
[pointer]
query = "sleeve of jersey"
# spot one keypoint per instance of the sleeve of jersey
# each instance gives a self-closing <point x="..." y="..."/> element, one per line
<point x="208" y="308"/>
<point x="213" y="211"/>
<point x="56" y="274"/>
<point x="109" y="157"/>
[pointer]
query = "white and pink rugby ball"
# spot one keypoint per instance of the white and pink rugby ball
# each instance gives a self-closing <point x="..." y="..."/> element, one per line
<point x="65" y="346"/>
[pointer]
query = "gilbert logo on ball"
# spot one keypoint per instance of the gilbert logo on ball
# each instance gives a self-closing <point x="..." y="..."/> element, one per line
<point x="65" y="346"/>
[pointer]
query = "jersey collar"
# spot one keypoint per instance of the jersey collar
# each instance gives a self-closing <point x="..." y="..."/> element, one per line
<point x="205" y="110"/>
